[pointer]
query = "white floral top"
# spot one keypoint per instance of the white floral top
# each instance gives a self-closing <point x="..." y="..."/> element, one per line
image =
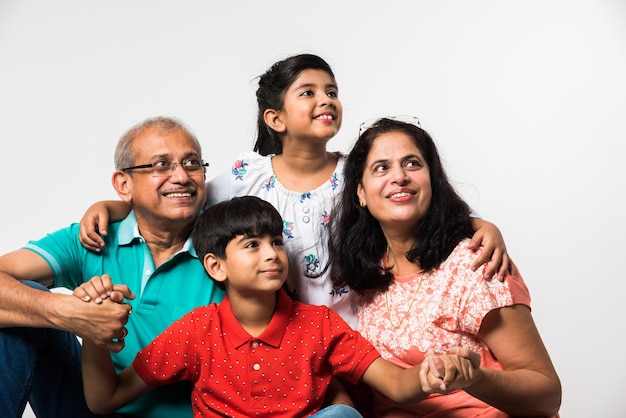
<point x="305" y="219"/>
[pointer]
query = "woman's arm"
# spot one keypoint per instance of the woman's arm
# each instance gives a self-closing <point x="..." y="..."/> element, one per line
<point x="528" y="385"/>
<point x="95" y="222"/>
<point x="106" y="391"/>
<point x="494" y="253"/>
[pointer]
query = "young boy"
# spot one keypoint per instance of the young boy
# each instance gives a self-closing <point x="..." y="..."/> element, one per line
<point x="257" y="353"/>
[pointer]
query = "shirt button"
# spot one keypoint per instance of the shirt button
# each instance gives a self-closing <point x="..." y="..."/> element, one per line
<point x="305" y="209"/>
<point x="255" y="344"/>
<point x="147" y="272"/>
<point x="306" y="219"/>
<point x="257" y="366"/>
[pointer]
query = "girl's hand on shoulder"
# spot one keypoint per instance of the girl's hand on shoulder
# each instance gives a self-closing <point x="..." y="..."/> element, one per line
<point x="93" y="226"/>
<point x="99" y="288"/>
<point x="494" y="253"/>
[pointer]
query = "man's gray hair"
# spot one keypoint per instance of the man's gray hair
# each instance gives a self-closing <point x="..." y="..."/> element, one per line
<point x="124" y="156"/>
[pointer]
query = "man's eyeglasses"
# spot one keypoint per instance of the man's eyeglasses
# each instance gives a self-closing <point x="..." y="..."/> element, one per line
<point x="413" y="120"/>
<point x="165" y="168"/>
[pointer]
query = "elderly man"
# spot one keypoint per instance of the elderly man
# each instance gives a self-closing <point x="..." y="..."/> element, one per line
<point x="159" y="171"/>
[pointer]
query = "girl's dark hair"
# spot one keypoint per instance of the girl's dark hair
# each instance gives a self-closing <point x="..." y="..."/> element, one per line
<point x="220" y="223"/>
<point x="357" y="242"/>
<point x="271" y="94"/>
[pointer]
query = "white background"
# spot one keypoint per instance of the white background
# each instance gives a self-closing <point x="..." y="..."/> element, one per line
<point x="526" y="99"/>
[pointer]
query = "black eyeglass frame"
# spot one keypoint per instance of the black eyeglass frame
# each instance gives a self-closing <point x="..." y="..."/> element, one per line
<point x="203" y="164"/>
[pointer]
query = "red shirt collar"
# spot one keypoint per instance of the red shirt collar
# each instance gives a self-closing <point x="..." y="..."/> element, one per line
<point x="274" y="332"/>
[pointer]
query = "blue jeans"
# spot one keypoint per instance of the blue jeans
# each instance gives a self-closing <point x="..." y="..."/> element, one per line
<point x="337" y="411"/>
<point x="41" y="366"/>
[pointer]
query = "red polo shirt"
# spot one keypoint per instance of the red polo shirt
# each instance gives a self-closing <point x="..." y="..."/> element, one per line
<point x="283" y="372"/>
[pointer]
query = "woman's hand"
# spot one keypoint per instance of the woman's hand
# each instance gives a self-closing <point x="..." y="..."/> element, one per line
<point x="449" y="372"/>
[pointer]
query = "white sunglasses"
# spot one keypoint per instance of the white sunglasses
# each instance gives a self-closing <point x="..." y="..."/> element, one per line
<point x="413" y="120"/>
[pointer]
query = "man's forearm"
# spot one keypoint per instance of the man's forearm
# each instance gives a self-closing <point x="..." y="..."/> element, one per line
<point x="24" y="306"/>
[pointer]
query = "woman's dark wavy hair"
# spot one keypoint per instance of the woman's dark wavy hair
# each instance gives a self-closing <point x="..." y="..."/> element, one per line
<point x="220" y="223"/>
<point x="357" y="242"/>
<point x="271" y="94"/>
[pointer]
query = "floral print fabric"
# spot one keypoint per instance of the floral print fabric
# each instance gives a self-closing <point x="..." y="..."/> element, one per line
<point x="447" y="312"/>
<point x="305" y="226"/>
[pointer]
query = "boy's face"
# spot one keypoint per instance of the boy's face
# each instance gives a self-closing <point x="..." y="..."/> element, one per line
<point x="253" y="264"/>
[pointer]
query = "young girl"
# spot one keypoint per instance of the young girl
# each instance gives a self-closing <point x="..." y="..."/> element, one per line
<point x="299" y="111"/>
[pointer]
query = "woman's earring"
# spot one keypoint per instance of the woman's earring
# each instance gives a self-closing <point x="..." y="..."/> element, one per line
<point x="362" y="203"/>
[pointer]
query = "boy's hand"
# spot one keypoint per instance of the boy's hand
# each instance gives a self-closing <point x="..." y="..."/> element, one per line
<point x="99" y="288"/>
<point x="494" y="254"/>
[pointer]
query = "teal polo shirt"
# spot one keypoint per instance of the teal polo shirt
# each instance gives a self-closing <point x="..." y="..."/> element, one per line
<point x="163" y="295"/>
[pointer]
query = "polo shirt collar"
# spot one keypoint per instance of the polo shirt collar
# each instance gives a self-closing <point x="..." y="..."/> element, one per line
<point x="129" y="232"/>
<point x="275" y="330"/>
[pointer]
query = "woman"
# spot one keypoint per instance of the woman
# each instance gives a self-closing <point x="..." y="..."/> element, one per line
<point x="400" y="237"/>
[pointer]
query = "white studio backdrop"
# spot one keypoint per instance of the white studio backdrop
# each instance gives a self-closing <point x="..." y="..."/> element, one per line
<point x="526" y="99"/>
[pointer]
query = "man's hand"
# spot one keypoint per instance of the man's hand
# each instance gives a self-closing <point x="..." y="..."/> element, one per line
<point x="101" y="323"/>
<point x="105" y="325"/>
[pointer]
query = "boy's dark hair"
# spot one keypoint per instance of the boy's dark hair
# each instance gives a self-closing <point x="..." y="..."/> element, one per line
<point x="271" y="93"/>
<point x="220" y="223"/>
